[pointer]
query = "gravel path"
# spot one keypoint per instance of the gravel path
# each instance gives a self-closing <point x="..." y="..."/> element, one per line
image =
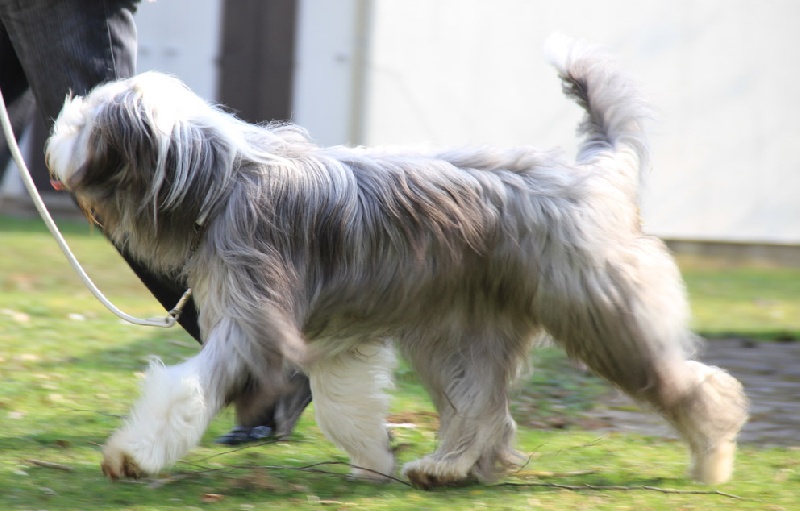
<point x="770" y="373"/>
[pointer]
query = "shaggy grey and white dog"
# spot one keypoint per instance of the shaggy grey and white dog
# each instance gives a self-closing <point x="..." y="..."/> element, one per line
<point x="324" y="258"/>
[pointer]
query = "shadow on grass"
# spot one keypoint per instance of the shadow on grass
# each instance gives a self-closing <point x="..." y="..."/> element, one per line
<point x="11" y="224"/>
<point x="171" y="347"/>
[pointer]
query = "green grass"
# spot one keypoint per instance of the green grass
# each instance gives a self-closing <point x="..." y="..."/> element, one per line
<point x="757" y="301"/>
<point x="69" y="370"/>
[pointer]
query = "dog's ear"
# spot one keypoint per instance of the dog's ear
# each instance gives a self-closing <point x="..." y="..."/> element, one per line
<point x="151" y="150"/>
<point x="120" y="150"/>
<point x="196" y="163"/>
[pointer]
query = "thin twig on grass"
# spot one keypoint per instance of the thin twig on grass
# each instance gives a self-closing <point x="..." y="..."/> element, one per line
<point x="590" y="443"/>
<point x="50" y="464"/>
<point x="158" y="483"/>
<point x="250" y="445"/>
<point x="542" y="474"/>
<point x="83" y="410"/>
<point x="315" y="468"/>
<point x="312" y="468"/>
<point x="593" y="487"/>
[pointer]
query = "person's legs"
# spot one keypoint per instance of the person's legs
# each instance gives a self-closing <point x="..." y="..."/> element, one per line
<point x="16" y="94"/>
<point x="68" y="47"/>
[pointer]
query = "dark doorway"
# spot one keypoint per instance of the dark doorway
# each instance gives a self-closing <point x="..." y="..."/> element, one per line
<point x="256" y="60"/>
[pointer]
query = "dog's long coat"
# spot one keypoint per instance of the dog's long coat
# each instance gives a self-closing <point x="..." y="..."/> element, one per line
<point x="318" y="258"/>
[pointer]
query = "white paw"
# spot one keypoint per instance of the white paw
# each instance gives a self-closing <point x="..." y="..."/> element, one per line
<point x="167" y="421"/>
<point x="119" y="464"/>
<point x="715" y="465"/>
<point x="427" y="473"/>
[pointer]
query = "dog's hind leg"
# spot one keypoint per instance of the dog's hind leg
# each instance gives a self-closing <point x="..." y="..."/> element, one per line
<point x="709" y="415"/>
<point x="176" y="406"/>
<point x="628" y="322"/>
<point x="468" y="381"/>
<point x="351" y="404"/>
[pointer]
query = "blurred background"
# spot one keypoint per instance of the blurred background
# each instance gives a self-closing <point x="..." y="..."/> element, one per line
<point x="455" y="72"/>
<point x="722" y="192"/>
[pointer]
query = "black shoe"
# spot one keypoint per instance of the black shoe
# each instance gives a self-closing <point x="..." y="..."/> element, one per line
<point x="277" y="421"/>
<point x="243" y="435"/>
<point x="291" y="405"/>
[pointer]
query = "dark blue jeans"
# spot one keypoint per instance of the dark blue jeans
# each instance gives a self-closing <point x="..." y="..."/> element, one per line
<point x="64" y="46"/>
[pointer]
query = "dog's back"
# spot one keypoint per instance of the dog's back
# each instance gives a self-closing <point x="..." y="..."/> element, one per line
<point x="460" y="257"/>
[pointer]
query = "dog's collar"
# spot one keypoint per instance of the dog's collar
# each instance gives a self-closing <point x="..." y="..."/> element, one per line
<point x="199" y="227"/>
<point x="199" y="230"/>
<point x="176" y="311"/>
<point x="199" y="224"/>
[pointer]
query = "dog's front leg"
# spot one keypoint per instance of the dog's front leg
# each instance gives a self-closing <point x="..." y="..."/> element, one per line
<point x="351" y="405"/>
<point x="176" y="406"/>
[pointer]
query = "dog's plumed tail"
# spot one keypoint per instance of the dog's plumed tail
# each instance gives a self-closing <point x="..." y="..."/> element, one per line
<point x="615" y="108"/>
<point x="634" y="325"/>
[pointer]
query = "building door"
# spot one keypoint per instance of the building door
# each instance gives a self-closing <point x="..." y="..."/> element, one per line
<point x="256" y="61"/>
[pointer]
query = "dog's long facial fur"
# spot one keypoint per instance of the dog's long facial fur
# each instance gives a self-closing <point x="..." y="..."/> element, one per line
<point x="133" y="162"/>
<point x="311" y="256"/>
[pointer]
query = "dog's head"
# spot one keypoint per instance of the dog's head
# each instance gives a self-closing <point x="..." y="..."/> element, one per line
<point x="145" y="155"/>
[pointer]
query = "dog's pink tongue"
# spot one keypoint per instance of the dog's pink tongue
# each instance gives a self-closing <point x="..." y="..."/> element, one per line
<point x="57" y="185"/>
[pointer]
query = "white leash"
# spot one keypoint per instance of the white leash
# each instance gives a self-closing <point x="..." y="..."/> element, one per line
<point x="166" y="322"/>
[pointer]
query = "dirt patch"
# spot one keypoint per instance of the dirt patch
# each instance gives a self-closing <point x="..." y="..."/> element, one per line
<point x="770" y="373"/>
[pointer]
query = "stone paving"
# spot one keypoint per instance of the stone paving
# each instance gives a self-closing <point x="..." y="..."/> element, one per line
<point x="770" y="373"/>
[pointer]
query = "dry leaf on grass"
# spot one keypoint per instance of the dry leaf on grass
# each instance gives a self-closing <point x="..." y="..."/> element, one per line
<point x="212" y="497"/>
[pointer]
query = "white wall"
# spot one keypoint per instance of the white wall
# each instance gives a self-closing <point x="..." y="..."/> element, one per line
<point x="451" y="72"/>
<point x="328" y="69"/>
<point x="12" y="185"/>
<point x="722" y="73"/>
<point x="181" y="37"/>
